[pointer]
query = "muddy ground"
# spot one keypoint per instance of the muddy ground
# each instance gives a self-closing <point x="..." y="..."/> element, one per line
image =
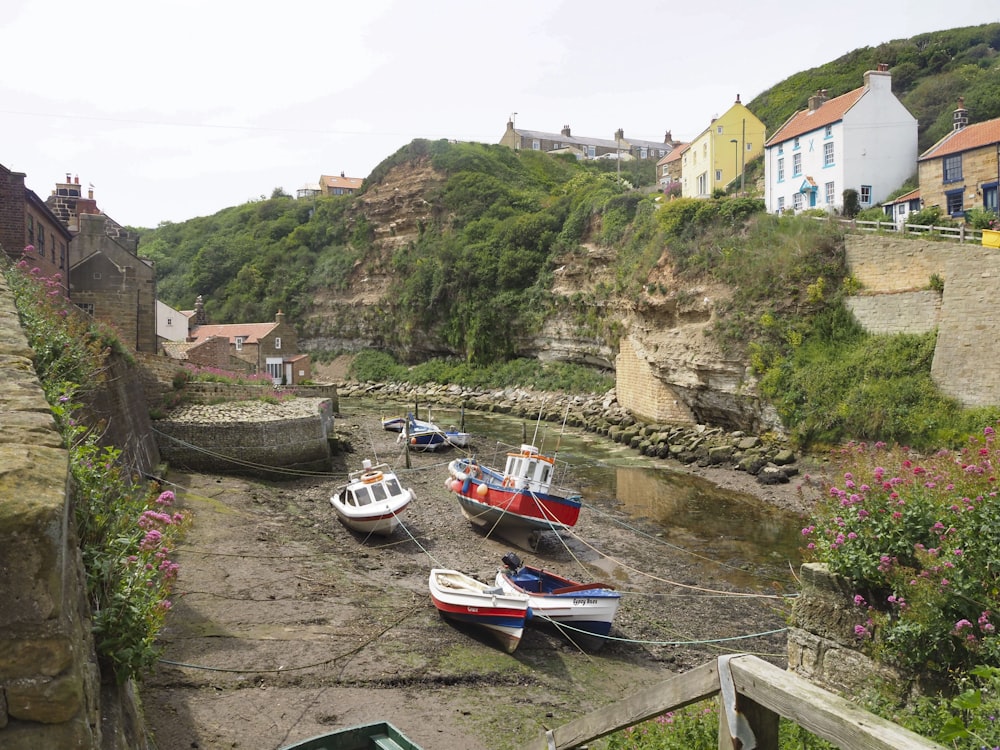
<point x="287" y="625"/>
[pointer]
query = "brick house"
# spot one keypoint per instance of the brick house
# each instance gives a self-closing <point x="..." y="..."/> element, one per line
<point x="25" y="221"/>
<point x="261" y="347"/>
<point x="668" y="169"/>
<point x="962" y="170"/>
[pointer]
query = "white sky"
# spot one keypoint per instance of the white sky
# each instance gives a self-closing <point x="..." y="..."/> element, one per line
<point x="176" y="110"/>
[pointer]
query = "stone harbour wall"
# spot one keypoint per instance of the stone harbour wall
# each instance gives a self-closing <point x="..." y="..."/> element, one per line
<point x="253" y="437"/>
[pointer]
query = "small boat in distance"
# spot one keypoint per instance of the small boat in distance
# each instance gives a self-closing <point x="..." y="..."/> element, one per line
<point x="380" y="735"/>
<point x="460" y="597"/>
<point x="393" y="424"/>
<point x="423" y="436"/>
<point x="372" y="500"/>
<point x="582" y="612"/>
<point x="519" y="499"/>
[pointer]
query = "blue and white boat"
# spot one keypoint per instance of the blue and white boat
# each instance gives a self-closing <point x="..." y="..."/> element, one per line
<point x="582" y="612"/>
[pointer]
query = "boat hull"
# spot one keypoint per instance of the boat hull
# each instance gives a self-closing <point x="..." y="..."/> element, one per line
<point x="463" y="599"/>
<point x="372" y="501"/>
<point x="580" y="610"/>
<point x="486" y="502"/>
<point x="362" y="737"/>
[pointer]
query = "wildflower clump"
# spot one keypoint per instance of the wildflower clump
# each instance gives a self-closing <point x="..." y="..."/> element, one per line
<point x="918" y="536"/>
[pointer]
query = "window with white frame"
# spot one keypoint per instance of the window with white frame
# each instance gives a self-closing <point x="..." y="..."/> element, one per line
<point x="535" y="145"/>
<point x="796" y="165"/>
<point x="749" y="145"/>
<point x="781" y="203"/>
<point x="277" y="342"/>
<point x="795" y="143"/>
<point x="829" y="132"/>
<point x="831" y="194"/>
<point x="718" y="175"/>
<point x="866" y="195"/>
<point x="828" y="154"/>
<point x="781" y="170"/>
<point x="953" y="168"/>
<point x="239" y="343"/>
<point x="703" y="183"/>
<point x="797" y="201"/>
<point x="718" y="129"/>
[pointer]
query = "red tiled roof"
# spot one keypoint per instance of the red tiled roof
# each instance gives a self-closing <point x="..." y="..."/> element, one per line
<point x="333" y="181"/>
<point x="904" y="198"/>
<point x="807" y="120"/>
<point x="970" y="137"/>
<point x="252" y="333"/>
<point x="674" y="155"/>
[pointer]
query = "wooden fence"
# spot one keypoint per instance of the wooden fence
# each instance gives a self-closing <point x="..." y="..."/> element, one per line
<point x="763" y="693"/>
<point x="960" y="233"/>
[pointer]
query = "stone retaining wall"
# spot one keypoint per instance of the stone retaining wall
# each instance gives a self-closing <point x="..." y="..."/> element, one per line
<point x="250" y="437"/>
<point x="822" y="647"/>
<point x="49" y="680"/>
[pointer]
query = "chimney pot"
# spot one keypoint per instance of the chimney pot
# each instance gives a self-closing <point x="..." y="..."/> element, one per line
<point x="76" y="180"/>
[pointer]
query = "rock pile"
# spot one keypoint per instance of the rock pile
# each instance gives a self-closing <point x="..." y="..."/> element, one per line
<point x="767" y="457"/>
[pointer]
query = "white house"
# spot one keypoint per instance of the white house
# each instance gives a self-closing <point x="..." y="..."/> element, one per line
<point x="865" y="139"/>
<point x="171" y="324"/>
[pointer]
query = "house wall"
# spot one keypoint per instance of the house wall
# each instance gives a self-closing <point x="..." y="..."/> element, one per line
<point x="120" y="285"/>
<point x="979" y="166"/>
<point x="713" y="152"/>
<point x="171" y="324"/>
<point x="880" y="141"/>
<point x="24" y="221"/>
<point x="811" y="148"/>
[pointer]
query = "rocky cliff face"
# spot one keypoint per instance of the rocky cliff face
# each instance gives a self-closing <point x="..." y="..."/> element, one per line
<point x="666" y="328"/>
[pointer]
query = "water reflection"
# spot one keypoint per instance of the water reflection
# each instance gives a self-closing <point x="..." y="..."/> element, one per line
<point x="729" y="527"/>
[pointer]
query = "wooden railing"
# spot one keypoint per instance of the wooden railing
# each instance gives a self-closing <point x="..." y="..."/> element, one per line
<point x="763" y="693"/>
<point x="960" y="233"/>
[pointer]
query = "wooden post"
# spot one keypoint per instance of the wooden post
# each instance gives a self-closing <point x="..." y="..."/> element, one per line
<point x="763" y="723"/>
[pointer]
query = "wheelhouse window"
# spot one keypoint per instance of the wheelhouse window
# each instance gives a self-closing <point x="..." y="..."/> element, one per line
<point x="953" y="168"/>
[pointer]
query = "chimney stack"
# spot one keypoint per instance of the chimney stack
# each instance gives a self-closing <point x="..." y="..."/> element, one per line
<point x="961" y="116"/>
<point x="816" y="101"/>
<point x="565" y="131"/>
<point x="737" y="98"/>
<point x="668" y="138"/>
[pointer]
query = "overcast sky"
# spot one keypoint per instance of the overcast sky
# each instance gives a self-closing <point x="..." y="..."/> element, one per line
<point x="178" y="109"/>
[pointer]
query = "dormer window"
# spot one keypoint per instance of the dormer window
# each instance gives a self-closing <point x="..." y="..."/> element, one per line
<point x="239" y="343"/>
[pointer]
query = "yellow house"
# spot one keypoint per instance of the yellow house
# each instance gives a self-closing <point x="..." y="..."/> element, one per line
<point x="720" y="153"/>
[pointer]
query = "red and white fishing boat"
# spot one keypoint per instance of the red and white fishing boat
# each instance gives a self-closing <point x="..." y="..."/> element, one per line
<point x="519" y="499"/>
<point x="463" y="598"/>
<point x="372" y="500"/>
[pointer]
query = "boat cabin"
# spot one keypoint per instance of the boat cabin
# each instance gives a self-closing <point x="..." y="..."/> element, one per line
<point x="528" y="470"/>
<point x="371" y="485"/>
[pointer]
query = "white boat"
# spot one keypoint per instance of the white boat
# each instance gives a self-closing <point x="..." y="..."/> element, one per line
<point x="582" y="612"/>
<point x="460" y="597"/>
<point x="372" y="500"/>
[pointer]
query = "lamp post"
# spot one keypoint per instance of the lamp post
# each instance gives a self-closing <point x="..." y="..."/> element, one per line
<point x="736" y="153"/>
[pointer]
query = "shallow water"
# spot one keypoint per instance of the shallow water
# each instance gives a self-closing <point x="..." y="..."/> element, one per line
<point x="752" y="540"/>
